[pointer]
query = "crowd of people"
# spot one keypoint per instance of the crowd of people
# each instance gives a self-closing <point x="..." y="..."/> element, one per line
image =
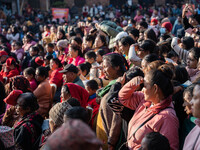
<point x="104" y="81"/>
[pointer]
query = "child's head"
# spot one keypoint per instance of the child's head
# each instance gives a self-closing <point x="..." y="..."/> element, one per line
<point x="90" y="57"/>
<point x="84" y="68"/>
<point x="29" y="73"/>
<point x="99" y="55"/>
<point x="187" y="96"/>
<point x="47" y="59"/>
<point x="73" y="102"/>
<point x="91" y="87"/>
<point x="34" y="51"/>
<point x="193" y="58"/>
<point x="154" y="141"/>
<point x="77" y="112"/>
<point x="50" y="47"/>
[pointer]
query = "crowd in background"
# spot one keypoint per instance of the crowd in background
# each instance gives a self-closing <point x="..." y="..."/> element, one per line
<point x="108" y="78"/>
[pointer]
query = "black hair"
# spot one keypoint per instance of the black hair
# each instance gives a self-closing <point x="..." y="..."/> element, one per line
<point x="90" y="38"/>
<point x="29" y="100"/>
<point x="188" y="42"/>
<point x="133" y="72"/>
<point x="85" y="66"/>
<point x="78" y="112"/>
<point x="48" y="57"/>
<point x="172" y="54"/>
<point x="78" y="30"/>
<point x="157" y="141"/>
<point x="132" y="21"/>
<point x="77" y="39"/>
<point x="116" y="61"/>
<point x="42" y="71"/>
<point x="127" y="41"/>
<point x="63" y="33"/>
<point x="91" y="54"/>
<point x="18" y="43"/>
<point x="28" y="37"/>
<point x="143" y="24"/>
<point x="15" y="30"/>
<point x="30" y="71"/>
<point x="151" y="34"/>
<point x="162" y="78"/>
<point x="77" y="48"/>
<point x="195" y="52"/>
<point x="50" y="45"/>
<point x="151" y="57"/>
<point x="148" y="45"/>
<point x="58" y="62"/>
<point x="134" y="32"/>
<point x="103" y="39"/>
<point x="101" y="52"/>
<point x="35" y="49"/>
<point x="181" y="74"/>
<point x="73" y="102"/>
<point x="92" y="84"/>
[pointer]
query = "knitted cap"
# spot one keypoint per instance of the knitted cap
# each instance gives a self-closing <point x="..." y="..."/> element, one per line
<point x="168" y="26"/>
<point x="62" y="43"/>
<point x="57" y="112"/>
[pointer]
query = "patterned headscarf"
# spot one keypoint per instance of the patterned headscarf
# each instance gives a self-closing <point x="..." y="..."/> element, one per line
<point x="20" y="83"/>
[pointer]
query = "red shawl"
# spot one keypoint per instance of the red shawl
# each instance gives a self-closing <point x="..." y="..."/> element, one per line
<point x="79" y="93"/>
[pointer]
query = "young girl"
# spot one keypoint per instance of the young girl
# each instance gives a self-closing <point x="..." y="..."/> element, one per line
<point x="76" y="55"/>
<point x="29" y="74"/>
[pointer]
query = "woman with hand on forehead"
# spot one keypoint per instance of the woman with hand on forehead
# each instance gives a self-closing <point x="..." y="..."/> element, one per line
<point x="153" y="107"/>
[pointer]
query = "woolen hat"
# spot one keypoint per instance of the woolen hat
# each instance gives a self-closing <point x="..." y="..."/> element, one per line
<point x="57" y="112"/>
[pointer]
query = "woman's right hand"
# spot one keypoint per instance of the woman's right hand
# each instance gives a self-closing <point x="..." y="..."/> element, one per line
<point x="137" y="81"/>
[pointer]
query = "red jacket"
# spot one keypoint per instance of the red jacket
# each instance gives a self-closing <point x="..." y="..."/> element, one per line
<point x="9" y="74"/>
<point x="56" y="78"/>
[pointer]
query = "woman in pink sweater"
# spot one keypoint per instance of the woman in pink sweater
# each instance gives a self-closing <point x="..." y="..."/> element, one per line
<point x="153" y="103"/>
<point x="76" y="55"/>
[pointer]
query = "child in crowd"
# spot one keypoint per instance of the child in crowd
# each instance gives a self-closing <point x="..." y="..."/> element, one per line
<point x="99" y="56"/>
<point x="154" y="141"/>
<point x="29" y="74"/>
<point x="92" y="87"/>
<point x="50" y="50"/>
<point x="90" y="57"/>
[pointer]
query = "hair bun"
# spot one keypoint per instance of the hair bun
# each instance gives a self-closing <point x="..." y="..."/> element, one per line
<point x="167" y="70"/>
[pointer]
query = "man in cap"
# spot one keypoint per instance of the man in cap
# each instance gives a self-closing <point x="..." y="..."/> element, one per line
<point x="70" y="75"/>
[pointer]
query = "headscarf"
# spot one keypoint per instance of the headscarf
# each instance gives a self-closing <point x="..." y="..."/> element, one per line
<point x="20" y="83"/>
<point x="79" y="93"/>
<point x="11" y="99"/>
<point x="73" y="135"/>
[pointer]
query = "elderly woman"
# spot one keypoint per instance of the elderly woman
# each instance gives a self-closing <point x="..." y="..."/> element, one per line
<point x="43" y="91"/>
<point x="153" y="107"/>
<point x="16" y="83"/>
<point x="71" y="90"/>
<point x="108" y="123"/>
<point x="28" y="130"/>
